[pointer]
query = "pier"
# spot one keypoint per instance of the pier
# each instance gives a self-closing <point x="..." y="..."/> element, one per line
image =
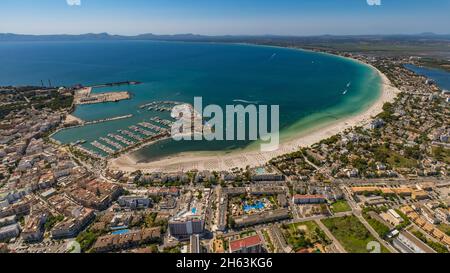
<point x="112" y="143"/>
<point x="164" y="122"/>
<point x="130" y="138"/>
<point x="102" y="147"/>
<point x="78" y="142"/>
<point x="107" y="119"/>
<point x="151" y="126"/>
<point x="155" y="137"/>
<point x="156" y="103"/>
<point x="121" y="139"/>
<point x="89" y="152"/>
<point x="142" y="131"/>
<point x="116" y="84"/>
<point x="131" y="135"/>
<point x="160" y="106"/>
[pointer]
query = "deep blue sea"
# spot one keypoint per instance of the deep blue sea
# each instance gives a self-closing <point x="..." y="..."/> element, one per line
<point x="308" y="87"/>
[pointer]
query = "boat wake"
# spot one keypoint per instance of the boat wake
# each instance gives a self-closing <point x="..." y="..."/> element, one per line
<point x="246" y="101"/>
<point x="346" y="90"/>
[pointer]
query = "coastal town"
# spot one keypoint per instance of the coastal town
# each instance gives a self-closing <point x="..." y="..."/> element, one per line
<point x="380" y="187"/>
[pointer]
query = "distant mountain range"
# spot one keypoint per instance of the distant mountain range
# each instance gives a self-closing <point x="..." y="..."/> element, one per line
<point x="225" y="38"/>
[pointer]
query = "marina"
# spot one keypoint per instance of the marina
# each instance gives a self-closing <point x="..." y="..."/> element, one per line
<point x="112" y="143"/>
<point x="121" y="139"/>
<point x="141" y="131"/>
<point x="127" y="137"/>
<point x="164" y="122"/>
<point x="124" y="139"/>
<point x="160" y="106"/>
<point x="151" y="126"/>
<point x="131" y="135"/>
<point x="102" y="147"/>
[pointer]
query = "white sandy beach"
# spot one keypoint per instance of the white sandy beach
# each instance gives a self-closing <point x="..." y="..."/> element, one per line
<point x="241" y="159"/>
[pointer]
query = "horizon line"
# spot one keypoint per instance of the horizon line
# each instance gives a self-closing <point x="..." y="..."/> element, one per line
<point x="222" y="35"/>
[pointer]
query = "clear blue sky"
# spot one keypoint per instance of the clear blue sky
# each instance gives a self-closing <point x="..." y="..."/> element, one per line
<point x="217" y="17"/>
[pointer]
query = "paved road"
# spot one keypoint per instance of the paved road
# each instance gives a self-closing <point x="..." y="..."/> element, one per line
<point x="310" y="163"/>
<point x="318" y="217"/>
<point x="390" y="181"/>
<point x="375" y="234"/>
<point x="336" y="243"/>
<point x="284" y="247"/>
<point x="357" y="212"/>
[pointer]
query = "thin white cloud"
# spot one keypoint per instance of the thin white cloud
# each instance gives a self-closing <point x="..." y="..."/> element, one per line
<point x="73" y="2"/>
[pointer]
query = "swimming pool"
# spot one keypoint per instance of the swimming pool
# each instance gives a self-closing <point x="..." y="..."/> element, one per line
<point x="260" y="171"/>
<point x="258" y="205"/>
<point x="119" y="232"/>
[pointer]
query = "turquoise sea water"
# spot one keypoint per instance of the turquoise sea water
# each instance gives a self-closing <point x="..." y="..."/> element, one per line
<point x="309" y="87"/>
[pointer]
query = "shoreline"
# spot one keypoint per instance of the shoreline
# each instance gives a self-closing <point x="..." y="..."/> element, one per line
<point x="242" y="158"/>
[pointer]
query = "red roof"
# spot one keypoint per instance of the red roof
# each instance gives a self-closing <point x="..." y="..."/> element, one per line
<point x="244" y="243"/>
<point x="303" y="250"/>
<point x="308" y="196"/>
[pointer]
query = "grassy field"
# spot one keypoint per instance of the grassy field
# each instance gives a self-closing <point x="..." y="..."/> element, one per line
<point x="379" y="227"/>
<point x="340" y="206"/>
<point x="444" y="228"/>
<point x="352" y="234"/>
<point x="438" y="247"/>
<point x="304" y="235"/>
<point x="441" y="154"/>
<point x="247" y="233"/>
<point x="436" y="63"/>
<point x="268" y="241"/>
